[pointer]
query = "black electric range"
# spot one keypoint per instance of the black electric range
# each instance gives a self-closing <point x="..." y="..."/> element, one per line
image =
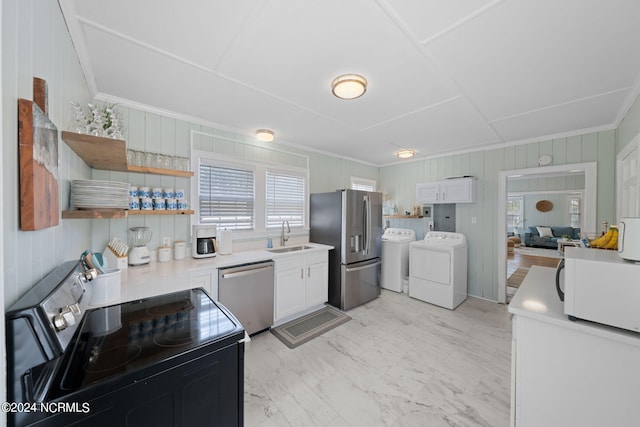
<point x="170" y="360"/>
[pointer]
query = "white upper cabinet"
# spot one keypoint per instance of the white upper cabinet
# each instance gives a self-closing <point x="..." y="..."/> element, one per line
<point x="428" y="192"/>
<point x="459" y="190"/>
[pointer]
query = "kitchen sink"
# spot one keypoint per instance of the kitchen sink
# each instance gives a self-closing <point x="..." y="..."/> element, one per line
<point x="290" y="249"/>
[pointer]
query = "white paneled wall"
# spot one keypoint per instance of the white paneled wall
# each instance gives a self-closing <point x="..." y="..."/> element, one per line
<point x="399" y="181"/>
<point x="558" y="216"/>
<point x="573" y="182"/>
<point x="629" y="127"/>
<point x="35" y="43"/>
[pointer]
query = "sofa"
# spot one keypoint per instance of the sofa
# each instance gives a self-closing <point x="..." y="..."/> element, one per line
<point x="532" y="236"/>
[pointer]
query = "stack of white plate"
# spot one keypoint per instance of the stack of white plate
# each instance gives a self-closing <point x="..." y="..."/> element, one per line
<point x="94" y="194"/>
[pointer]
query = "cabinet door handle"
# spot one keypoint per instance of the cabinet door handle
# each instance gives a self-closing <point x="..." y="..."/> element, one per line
<point x="308" y="271"/>
<point x="302" y="273"/>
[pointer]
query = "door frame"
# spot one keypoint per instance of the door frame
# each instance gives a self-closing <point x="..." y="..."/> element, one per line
<point x="589" y="203"/>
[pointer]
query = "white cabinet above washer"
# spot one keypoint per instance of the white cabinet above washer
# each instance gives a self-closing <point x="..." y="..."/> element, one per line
<point x="458" y="190"/>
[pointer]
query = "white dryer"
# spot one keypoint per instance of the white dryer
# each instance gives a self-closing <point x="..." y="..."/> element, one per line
<point x="438" y="269"/>
<point x="395" y="257"/>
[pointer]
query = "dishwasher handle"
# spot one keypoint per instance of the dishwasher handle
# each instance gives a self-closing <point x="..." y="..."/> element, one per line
<point x="244" y="270"/>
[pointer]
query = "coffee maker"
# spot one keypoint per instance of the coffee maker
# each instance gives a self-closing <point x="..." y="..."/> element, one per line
<point x="203" y="243"/>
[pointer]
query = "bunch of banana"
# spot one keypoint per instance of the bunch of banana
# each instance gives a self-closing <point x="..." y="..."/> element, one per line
<point x="608" y="241"/>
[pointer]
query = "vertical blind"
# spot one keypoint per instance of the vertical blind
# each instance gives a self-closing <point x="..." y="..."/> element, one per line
<point x="226" y="197"/>
<point x="285" y="199"/>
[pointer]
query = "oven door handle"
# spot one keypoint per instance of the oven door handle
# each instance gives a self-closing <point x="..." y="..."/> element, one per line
<point x="37" y="381"/>
<point x="27" y="386"/>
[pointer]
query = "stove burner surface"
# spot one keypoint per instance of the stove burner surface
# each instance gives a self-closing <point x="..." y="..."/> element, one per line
<point x="177" y="335"/>
<point x="111" y="359"/>
<point x="172" y="307"/>
<point x="152" y="332"/>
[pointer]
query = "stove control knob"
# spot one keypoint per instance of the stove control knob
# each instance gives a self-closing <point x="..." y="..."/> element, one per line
<point x="75" y="309"/>
<point x="89" y="275"/>
<point x="69" y="318"/>
<point x="63" y="320"/>
<point x="59" y="322"/>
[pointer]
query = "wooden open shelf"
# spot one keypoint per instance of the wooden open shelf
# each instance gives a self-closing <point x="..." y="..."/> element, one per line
<point x="180" y="212"/>
<point x="116" y="213"/>
<point x="402" y="216"/>
<point x="110" y="154"/>
<point x="94" y="214"/>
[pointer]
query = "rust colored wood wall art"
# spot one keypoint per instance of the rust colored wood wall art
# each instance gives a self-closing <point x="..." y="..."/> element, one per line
<point x="38" y="162"/>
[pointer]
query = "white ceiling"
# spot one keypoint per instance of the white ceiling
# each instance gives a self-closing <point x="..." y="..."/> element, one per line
<point x="444" y="76"/>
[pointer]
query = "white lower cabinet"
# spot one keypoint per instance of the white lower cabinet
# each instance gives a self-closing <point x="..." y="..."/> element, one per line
<point x="207" y="281"/>
<point x="317" y="289"/>
<point x="567" y="373"/>
<point x="290" y="293"/>
<point x="301" y="283"/>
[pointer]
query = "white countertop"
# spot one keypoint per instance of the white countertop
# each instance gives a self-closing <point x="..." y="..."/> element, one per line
<point x="538" y="299"/>
<point x="159" y="278"/>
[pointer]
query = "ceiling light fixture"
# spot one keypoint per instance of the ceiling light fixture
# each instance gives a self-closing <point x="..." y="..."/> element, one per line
<point x="349" y="86"/>
<point x="265" y="135"/>
<point x="405" y="154"/>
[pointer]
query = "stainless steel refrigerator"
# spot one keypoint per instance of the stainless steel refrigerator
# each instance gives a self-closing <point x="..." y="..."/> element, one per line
<point x="351" y="221"/>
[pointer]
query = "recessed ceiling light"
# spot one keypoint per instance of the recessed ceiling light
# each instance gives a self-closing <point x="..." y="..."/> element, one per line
<point x="265" y="135"/>
<point x="349" y="86"/>
<point x="405" y="154"/>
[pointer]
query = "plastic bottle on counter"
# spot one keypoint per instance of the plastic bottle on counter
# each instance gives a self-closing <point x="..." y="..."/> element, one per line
<point x="269" y="241"/>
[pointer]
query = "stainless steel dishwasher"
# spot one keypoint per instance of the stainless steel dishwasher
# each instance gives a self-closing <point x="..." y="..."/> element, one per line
<point x="247" y="291"/>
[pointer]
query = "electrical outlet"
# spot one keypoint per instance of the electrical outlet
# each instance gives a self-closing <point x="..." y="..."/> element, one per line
<point x="166" y="241"/>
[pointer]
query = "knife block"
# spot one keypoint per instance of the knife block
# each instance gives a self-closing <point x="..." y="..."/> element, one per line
<point x="114" y="261"/>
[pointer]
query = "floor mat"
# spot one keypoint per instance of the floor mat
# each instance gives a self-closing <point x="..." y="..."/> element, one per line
<point x="306" y="328"/>
<point x="515" y="280"/>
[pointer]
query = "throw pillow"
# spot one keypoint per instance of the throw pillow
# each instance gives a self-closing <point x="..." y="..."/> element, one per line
<point x="545" y="231"/>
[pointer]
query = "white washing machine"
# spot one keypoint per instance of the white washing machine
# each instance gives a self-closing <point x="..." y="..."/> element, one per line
<point x="395" y="257"/>
<point x="438" y="269"/>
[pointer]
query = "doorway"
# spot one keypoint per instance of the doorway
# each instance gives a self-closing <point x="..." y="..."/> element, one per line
<point x="589" y="198"/>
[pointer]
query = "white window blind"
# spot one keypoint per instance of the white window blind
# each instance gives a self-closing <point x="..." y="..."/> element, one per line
<point x="285" y="199"/>
<point x="226" y="197"/>
<point x="363" y="184"/>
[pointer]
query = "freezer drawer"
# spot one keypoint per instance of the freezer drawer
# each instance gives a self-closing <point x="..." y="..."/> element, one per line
<point x="360" y="283"/>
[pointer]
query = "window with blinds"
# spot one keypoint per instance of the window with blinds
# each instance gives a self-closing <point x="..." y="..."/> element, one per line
<point x="285" y="199"/>
<point x="515" y="221"/>
<point x="226" y="197"/>
<point x="363" y="184"/>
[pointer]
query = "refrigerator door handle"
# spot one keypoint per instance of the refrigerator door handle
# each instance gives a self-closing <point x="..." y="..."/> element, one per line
<point x="367" y="224"/>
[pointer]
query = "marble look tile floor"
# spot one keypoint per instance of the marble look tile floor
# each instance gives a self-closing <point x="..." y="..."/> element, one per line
<point x="398" y="362"/>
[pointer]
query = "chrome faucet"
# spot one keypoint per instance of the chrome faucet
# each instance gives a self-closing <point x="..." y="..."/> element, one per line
<point x="284" y="239"/>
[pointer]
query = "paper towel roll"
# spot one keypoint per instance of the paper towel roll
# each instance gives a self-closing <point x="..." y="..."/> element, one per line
<point x="224" y="242"/>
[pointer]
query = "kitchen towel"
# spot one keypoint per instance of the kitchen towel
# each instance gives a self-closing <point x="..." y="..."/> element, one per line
<point x="224" y="242"/>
